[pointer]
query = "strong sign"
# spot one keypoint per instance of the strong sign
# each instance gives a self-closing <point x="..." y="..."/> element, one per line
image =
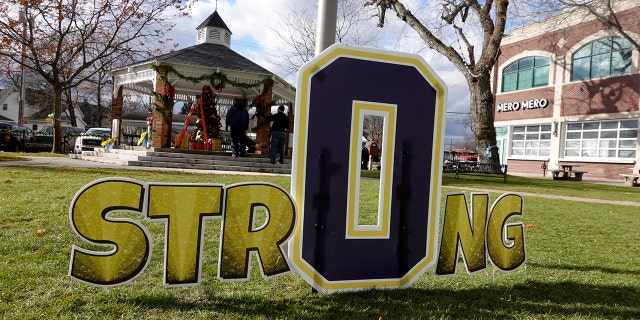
<point x="329" y="244"/>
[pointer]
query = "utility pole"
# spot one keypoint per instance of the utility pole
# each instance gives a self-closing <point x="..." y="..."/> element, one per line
<point x="21" y="104"/>
<point x="327" y="19"/>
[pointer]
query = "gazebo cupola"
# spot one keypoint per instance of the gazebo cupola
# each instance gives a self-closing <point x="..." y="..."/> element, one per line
<point x="214" y="30"/>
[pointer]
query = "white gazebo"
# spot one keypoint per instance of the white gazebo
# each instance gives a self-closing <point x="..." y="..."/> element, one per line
<point x="210" y="62"/>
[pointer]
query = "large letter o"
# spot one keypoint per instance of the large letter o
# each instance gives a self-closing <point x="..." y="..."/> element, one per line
<point x="333" y="87"/>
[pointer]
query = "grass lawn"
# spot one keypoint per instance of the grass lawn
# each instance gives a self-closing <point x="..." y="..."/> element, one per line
<point x="15" y="156"/>
<point x="583" y="262"/>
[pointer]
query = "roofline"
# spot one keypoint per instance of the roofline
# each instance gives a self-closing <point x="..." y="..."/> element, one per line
<point x="564" y="20"/>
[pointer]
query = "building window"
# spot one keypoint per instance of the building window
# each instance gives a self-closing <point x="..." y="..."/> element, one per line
<point x="526" y="73"/>
<point x="531" y="141"/>
<point x="601" y="58"/>
<point x="605" y="139"/>
<point x="5" y="106"/>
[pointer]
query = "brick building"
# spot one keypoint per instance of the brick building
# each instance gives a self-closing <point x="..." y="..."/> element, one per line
<point x="568" y="91"/>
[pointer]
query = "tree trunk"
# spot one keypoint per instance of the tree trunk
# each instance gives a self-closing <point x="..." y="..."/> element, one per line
<point x="71" y="109"/>
<point x="482" y="115"/>
<point x="57" y="111"/>
<point x="99" y="104"/>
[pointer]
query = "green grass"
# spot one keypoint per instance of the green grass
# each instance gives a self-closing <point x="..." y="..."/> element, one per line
<point x="545" y="186"/>
<point x="10" y="156"/>
<point x="15" y="156"/>
<point x="583" y="262"/>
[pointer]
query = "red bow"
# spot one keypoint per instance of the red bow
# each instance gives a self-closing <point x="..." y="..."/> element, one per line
<point x="171" y="91"/>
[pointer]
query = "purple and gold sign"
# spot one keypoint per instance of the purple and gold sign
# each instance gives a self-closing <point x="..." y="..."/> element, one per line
<point x="328" y="245"/>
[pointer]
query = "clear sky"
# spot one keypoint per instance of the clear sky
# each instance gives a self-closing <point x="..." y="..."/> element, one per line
<point x="251" y="23"/>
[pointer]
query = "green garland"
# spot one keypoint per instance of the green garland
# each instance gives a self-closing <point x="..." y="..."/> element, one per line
<point x="217" y="80"/>
<point x="167" y="104"/>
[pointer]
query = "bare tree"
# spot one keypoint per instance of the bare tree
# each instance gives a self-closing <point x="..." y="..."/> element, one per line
<point x="375" y="126"/>
<point x="454" y="28"/>
<point x="66" y="41"/>
<point x="136" y="102"/>
<point x="465" y="122"/>
<point x="38" y="92"/>
<point x="298" y="33"/>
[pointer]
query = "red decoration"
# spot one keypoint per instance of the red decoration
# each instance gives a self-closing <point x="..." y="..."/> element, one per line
<point x="219" y="86"/>
<point x="170" y="91"/>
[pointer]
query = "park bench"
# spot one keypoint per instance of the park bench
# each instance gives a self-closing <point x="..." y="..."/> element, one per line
<point x="483" y="169"/>
<point x="631" y="180"/>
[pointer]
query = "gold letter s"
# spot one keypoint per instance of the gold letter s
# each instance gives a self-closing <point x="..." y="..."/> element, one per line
<point x="89" y="216"/>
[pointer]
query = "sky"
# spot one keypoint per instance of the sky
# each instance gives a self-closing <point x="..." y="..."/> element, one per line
<point x="252" y="21"/>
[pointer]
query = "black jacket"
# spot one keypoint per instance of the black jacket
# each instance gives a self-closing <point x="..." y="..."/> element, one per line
<point x="237" y="118"/>
<point x="280" y="122"/>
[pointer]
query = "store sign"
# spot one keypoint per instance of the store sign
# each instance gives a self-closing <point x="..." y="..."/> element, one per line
<point x="327" y="245"/>
<point x="524" y="105"/>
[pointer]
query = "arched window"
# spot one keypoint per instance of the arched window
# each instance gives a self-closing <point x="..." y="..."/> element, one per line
<point x="526" y="73"/>
<point x="602" y="57"/>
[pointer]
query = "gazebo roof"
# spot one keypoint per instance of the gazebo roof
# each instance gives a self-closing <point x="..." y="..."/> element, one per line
<point x="210" y="56"/>
<point x="214" y="20"/>
<point x="213" y="56"/>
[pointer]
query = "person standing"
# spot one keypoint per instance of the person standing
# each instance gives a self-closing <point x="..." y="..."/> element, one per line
<point x="238" y="120"/>
<point x="278" y="134"/>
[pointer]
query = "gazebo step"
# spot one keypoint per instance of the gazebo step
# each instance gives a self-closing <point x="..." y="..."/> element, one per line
<point x="185" y="159"/>
<point x="100" y="159"/>
<point x="279" y="169"/>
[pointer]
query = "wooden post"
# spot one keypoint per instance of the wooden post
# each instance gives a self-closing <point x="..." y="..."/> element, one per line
<point x="290" y="131"/>
<point x="262" y="133"/>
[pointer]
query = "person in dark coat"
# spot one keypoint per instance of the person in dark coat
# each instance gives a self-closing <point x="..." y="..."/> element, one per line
<point x="279" y="127"/>
<point x="364" y="157"/>
<point x="238" y="120"/>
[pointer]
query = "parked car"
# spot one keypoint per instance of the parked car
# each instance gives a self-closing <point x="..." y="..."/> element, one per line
<point x="91" y="139"/>
<point x="14" y="137"/>
<point x="42" y="139"/>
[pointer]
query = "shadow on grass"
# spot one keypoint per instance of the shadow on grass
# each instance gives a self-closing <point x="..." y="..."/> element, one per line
<point x="530" y="300"/>
<point x="583" y="268"/>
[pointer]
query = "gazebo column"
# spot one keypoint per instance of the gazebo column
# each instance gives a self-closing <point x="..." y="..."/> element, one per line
<point x="161" y="137"/>
<point x="263" y="132"/>
<point x="116" y="111"/>
<point x="290" y="131"/>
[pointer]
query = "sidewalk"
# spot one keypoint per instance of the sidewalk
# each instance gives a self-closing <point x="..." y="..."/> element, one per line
<point x="585" y="178"/>
<point x="79" y="163"/>
<point x="553" y="196"/>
